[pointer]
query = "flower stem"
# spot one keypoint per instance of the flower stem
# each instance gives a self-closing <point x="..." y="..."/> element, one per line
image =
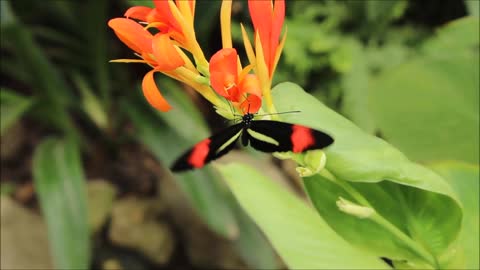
<point x="267" y="97"/>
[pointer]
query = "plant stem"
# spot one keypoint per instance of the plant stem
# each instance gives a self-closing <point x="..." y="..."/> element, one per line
<point x="414" y="246"/>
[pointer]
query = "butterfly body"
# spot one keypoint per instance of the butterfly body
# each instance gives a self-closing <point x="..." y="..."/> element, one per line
<point x="263" y="135"/>
<point x="246" y="121"/>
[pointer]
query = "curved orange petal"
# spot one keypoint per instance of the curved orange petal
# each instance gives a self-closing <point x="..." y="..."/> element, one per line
<point x="152" y="93"/>
<point x="163" y="11"/>
<point x="224" y="73"/>
<point x="251" y="91"/>
<point x="277" y="20"/>
<point x="267" y="19"/>
<point x="277" y="24"/>
<point x="138" y="12"/>
<point x="154" y="16"/>
<point x="132" y="34"/>
<point x="250" y="85"/>
<point x="166" y="56"/>
<point x="261" y="13"/>
<point x="251" y="104"/>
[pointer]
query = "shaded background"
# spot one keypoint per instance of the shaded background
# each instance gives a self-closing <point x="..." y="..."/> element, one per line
<point x="398" y="69"/>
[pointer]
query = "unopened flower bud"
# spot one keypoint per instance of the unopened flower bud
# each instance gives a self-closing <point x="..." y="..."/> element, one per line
<point x="354" y="209"/>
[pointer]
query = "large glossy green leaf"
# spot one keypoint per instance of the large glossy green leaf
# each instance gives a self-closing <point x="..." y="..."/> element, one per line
<point x="458" y="37"/>
<point x="465" y="178"/>
<point x="418" y="215"/>
<point x="60" y="185"/>
<point x="12" y="106"/>
<point x="361" y="158"/>
<point x="428" y="107"/>
<point x="252" y="245"/>
<point x="300" y="236"/>
<point x="355" y="155"/>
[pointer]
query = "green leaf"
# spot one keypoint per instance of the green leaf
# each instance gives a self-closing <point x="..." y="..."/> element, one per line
<point x="385" y="11"/>
<point x="44" y="79"/>
<point x="358" y="157"/>
<point x="12" y="106"/>
<point x="458" y="38"/>
<point x="96" y="51"/>
<point x="300" y="236"/>
<point x="145" y="3"/>
<point x="90" y="102"/>
<point x="464" y="178"/>
<point x="251" y="244"/>
<point x="60" y="185"/>
<point x="416" y="214"/>
<point x="428" y="108"/>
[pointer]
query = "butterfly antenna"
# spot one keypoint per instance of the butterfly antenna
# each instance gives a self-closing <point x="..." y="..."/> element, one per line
<point x="278" y="113"/>
<point x="237" y="117"/>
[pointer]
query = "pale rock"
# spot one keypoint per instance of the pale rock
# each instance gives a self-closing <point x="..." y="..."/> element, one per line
<point x="101" y="195"/>
<point x="135" y="225"/>
<point x="24" y="239"/>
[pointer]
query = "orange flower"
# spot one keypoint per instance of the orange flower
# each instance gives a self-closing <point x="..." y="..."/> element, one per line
<point x="156" y="50"/>
<point x="268" y="20"/>
<point x="242" y="89"/>
<point x="164" y="51"/>
<point x="163" y="18"/>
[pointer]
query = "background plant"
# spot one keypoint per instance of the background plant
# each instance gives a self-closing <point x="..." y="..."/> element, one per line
<point x="381" y="64"/>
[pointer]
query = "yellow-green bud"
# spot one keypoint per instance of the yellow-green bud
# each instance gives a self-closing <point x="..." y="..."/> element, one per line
<point x="354" y="209"/>
<point x="315" y="160"/>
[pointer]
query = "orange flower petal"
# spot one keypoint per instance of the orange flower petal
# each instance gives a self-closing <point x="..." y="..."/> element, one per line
<point x="165" y="13"/>
<point x="251" y="85"/>
<point x="277" y="20"/>
<point x="132" y="34"/>
<point x="250" y="93"/>
<point x="251" y="104"/>
<point x="138" y="13"/>
<point x="224" y="73"/>
<point x="192" y="6"/>
<point x="166" y="55"/>
<point x="154" y="16"/>
<point x="261" y="13"/>
<point x="267" y="20"/>
<point x="152" y="93"/>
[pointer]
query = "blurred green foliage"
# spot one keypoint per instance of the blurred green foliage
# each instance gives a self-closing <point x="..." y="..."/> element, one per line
<point x="409" y="79"/>
<point x="60" y="185"/>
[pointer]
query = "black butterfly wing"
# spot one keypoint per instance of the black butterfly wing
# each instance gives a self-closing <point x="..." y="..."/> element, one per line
<point x="209" y="149"/>
<point x="273" y="136"/>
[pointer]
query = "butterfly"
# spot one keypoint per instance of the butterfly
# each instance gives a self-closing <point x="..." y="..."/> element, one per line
<point x="263" y="135"/>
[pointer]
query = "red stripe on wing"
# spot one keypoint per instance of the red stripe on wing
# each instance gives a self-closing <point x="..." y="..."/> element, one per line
<point x="302" y="138"/>
<point x="199" y="153"/>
